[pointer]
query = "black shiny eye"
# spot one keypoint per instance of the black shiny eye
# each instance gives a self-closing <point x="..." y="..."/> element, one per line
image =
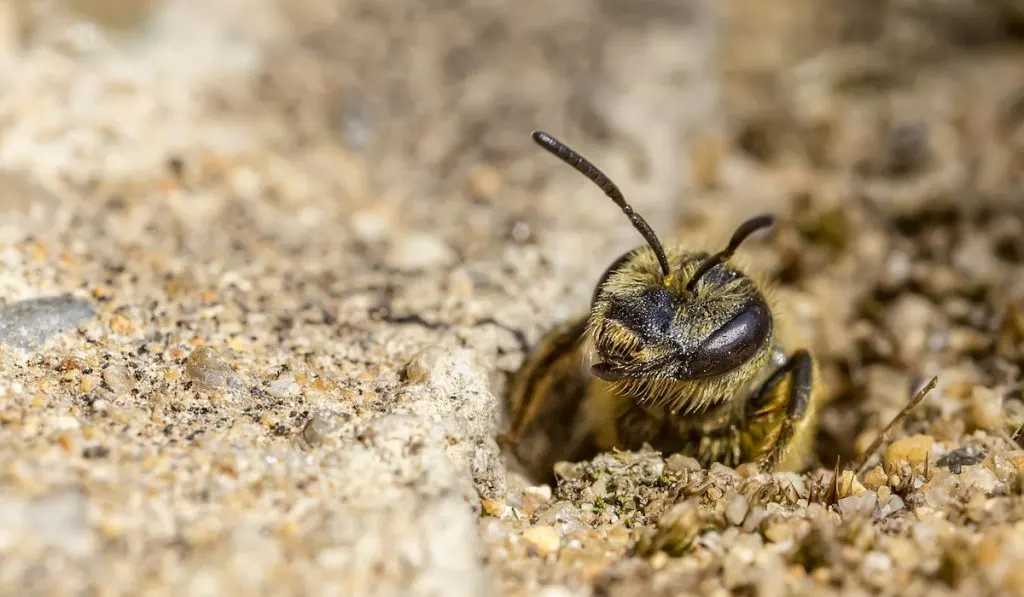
<point x="730" y="345"/>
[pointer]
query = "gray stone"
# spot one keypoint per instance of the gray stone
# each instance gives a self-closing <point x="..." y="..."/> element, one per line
<point x="29" y="323"/>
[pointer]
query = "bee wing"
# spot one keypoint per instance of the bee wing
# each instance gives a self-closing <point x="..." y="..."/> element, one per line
<point x="524" y="400"/>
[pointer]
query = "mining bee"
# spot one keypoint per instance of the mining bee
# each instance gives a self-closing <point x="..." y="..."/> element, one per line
<point x="681" y="350"/>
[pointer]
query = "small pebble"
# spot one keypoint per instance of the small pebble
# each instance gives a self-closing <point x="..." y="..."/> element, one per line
<point x="543" y="539"/>
<point x="858" y="504"/>
<point x="849" y="484"/>
<point x="968" y="455"/>
<point x="659" y="560"/>
<point x="910" y="318"/>
<point x="891" y="506"/>
<point x="980" y="477"/>
<point x="1017" y="460"/>
<point x="372" y="225"/>
<point x="567" y="470"/>
<point x="619" y="536"/>
<point x="424" y="365"/>
<point x="29" y="323"/>
<point x="737" y="509"/>
<point x="911" y="450"/>
<point x="208" y="371"/>
<point x="720" y="470"/>
<point x="318" y="428"/>
<point x="532" y="502"/>
<point x="419" y="251"/>
<point x="72" y="364"/>
<point x="520" y="232"/>
<point x="964" y="339"/>
<point x="66" y="423"/>
<point x="284" y="387"/>
<point x="735" y="570"/>
<point x="681" y="462"/>
<point x="876" y="562"/>
<point x="986" y="408"/>
<point x="754" y="518"/>
<point x="118" y="380"/>
<point x="875" y="477"/>
<point x="748" y="470"/>
<point x="675" y="531"/>
<point x="778" y="530"/>
<point x="923" y="534"/>
<point x="485" y="181"/>
<point x="563" y="516"/>
<point x="897" y="269"/>
<point x="495" y="508"/>
<point x="904" y="552"/>
<point x="937" y="497"/>
<point x="88" y="383"/>
<point x="540" y="492"/>
<point x="119" y="324"/>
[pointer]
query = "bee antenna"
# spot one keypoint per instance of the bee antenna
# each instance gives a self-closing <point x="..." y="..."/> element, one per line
<point x="745" y="230"/>
<point x="584" y="167"/>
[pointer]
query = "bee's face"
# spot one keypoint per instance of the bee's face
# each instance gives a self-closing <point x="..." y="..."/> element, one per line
<point x="644" y="327"/>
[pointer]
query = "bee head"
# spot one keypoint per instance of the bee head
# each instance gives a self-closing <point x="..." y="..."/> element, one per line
<point x="649" y="320"/>
<point x="644" y="327"/>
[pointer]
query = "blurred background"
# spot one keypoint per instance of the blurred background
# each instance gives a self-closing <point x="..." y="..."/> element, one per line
<point x="331" y="184"/>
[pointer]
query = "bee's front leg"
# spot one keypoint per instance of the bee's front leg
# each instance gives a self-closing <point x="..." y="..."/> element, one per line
<point x="799" y="368"/>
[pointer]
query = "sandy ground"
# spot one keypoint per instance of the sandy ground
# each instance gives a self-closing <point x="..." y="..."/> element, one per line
<point x="265" y="269"/>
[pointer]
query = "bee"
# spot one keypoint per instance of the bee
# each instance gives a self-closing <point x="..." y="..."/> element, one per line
<point x="681" y="349"/>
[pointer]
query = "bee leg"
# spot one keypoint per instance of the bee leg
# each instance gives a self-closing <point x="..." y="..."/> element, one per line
<point x="799" y="368"/>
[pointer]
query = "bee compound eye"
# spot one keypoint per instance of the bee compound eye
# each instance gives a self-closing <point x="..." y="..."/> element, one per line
<point x="731" y="345"/>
